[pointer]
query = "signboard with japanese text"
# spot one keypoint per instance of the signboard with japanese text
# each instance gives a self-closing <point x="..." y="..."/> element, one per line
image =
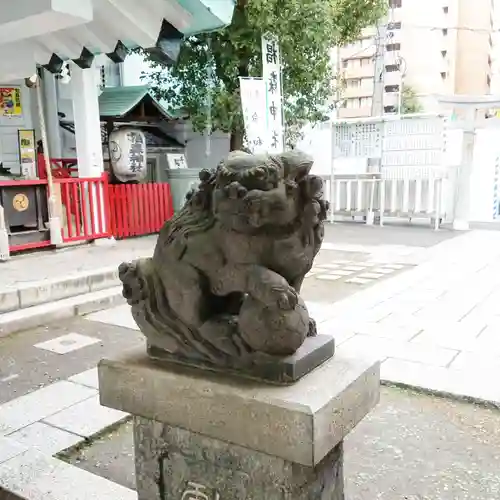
<point x="253" y="103"/>
<point x="127" y="150"/>
<point x="27" y="153"/>
<point x="10" y="102"/>
<point x="271" y="72"/>
<point x="176" y="160"/>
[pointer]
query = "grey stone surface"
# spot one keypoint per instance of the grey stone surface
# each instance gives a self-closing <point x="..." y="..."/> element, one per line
<point x="10" y="448"/>
<point x="36" y="476"/>
<point x="89" y="378"/>
<point x="46" y="313"/>
<point x="25" y="369"/>
<point x="85" y="418"/>
<point x="106" y="278"/>
<point x="311" y="354"/>
<point x="9" y="300"/>
<point x="96" y="301"/>
<point x="223" y="286"/>
<point x="292" y="422"/>
<point x="53" y="289"/>
<point x="171" y="462"/>
<point x="26" y="410"/>
<point x="45" y="438"/>
<point x="411" y="447"/>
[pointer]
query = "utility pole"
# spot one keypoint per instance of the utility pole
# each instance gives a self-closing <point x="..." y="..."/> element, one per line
<point x="378" y="77"/>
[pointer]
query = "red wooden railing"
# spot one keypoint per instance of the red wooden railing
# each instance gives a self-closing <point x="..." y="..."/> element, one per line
<point x="62" y="168"/>
<point x="139" y="209"/>
<point x="86" y="208"/>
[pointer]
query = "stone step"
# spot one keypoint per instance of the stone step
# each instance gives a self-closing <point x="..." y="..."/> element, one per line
<point x="35" y="293"/>
<point x="31" y="317"/>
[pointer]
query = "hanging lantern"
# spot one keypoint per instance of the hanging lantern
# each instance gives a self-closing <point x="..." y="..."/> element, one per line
<point x="127" y="154"/>
<point x="32" y="81"/>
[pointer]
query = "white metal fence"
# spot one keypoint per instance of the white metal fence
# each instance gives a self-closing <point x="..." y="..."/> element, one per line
<point x="386" y="167"/>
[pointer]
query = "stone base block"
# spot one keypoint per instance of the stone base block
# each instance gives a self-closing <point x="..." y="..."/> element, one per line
<point x="202" y="435"/>
<point x="174" y="464"/>
<point x="274" y="369"/>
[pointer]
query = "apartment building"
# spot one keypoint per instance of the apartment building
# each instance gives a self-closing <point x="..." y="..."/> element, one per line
<point x="433" y="46"/>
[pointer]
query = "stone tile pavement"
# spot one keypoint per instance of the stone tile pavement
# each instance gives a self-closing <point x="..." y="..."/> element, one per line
<point x="36" y="267"/>
<point x="434" y="326"/>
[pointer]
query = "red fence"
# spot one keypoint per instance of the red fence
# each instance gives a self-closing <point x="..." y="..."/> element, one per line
<point x="138" y="209"/>
<point x="62" y="168"/>
<point x="85" y="208"/>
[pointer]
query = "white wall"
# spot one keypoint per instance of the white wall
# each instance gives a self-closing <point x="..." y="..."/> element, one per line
<point x="132" y="69"/>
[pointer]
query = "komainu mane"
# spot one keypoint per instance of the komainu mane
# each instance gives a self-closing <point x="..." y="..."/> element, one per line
<point x="223" y="285"/>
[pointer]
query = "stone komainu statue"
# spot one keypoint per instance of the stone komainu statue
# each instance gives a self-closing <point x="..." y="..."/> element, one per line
<point x="222" y="287"/>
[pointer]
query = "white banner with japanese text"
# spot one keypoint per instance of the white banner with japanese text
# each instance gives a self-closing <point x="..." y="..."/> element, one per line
<point x="271" y="72"/>
<point x="253" y="103"/>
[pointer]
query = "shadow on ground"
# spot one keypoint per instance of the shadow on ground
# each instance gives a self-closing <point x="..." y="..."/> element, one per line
<point x="412" y="447"/>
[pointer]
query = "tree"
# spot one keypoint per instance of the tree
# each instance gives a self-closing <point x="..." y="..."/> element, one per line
<point x="409" y="101"/>
<point x="307" y="30"/>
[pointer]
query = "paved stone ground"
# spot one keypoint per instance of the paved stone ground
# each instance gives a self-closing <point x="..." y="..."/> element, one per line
<point x="35" y="267"/>
<point x="374" y="289"/>
<point x="412" y="446"/>
<point x="435" y="326"/>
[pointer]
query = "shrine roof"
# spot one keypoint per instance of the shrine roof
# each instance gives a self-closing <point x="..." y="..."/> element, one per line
<point x="122" y="102"/>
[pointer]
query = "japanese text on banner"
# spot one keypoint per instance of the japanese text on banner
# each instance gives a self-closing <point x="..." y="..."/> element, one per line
<point x="253" y="103"/>
<point x="271" y="69"/>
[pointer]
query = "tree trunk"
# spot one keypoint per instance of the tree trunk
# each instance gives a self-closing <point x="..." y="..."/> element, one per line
<point x="236" y="142"/>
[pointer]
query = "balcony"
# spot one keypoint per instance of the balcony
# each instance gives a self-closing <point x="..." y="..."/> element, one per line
<point x="366" y="71"/>
<point x="355" y="112"/>
<point x="360" y="52"/>
<point x="361" y="91"/>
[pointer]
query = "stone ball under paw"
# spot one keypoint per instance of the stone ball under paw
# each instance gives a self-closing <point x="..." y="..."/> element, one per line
<point x="272" y="330"/>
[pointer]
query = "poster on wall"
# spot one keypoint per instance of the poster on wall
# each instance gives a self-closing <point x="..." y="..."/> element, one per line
<point x="253" y="104"/>
<point x="27" y="153"/>
<point x="271" y="72"/>
<point x="10" y="102"/>
<point x="176" y="160"/>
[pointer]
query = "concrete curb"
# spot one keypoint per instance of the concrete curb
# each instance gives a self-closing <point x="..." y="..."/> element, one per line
<point x="31" y="317"/>
<point x="43" y="292"/>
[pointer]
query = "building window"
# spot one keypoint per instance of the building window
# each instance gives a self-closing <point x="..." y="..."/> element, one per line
<point x="391" y="47"/>
<point x="394" y="26"/>
<point x="445" y="10"/>
<point x="394" y="4"/>
<point x="365" y="61"/>
<point x="354" y="83"/>
<point x="445" y="31"/>
<point x="390" y="109"/>
<point x="365" y="102"/>
<point x="390" y="68"/>
<point x="392" y="88"/>
<point x="352" y="103"/>
<point x="345" y="64"/>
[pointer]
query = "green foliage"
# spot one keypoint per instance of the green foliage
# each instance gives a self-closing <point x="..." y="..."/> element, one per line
<point x="409" y="101"/>
<point x="307" y="30"/>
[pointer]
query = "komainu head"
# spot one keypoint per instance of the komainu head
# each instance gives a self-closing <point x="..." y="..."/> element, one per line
<point x="253" y="193"/>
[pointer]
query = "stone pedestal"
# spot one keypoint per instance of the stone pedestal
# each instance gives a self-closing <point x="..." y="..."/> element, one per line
<point x="201" y="435"/>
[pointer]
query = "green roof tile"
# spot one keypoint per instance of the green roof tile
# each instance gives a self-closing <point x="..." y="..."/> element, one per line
<point x="116" y="102"/>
